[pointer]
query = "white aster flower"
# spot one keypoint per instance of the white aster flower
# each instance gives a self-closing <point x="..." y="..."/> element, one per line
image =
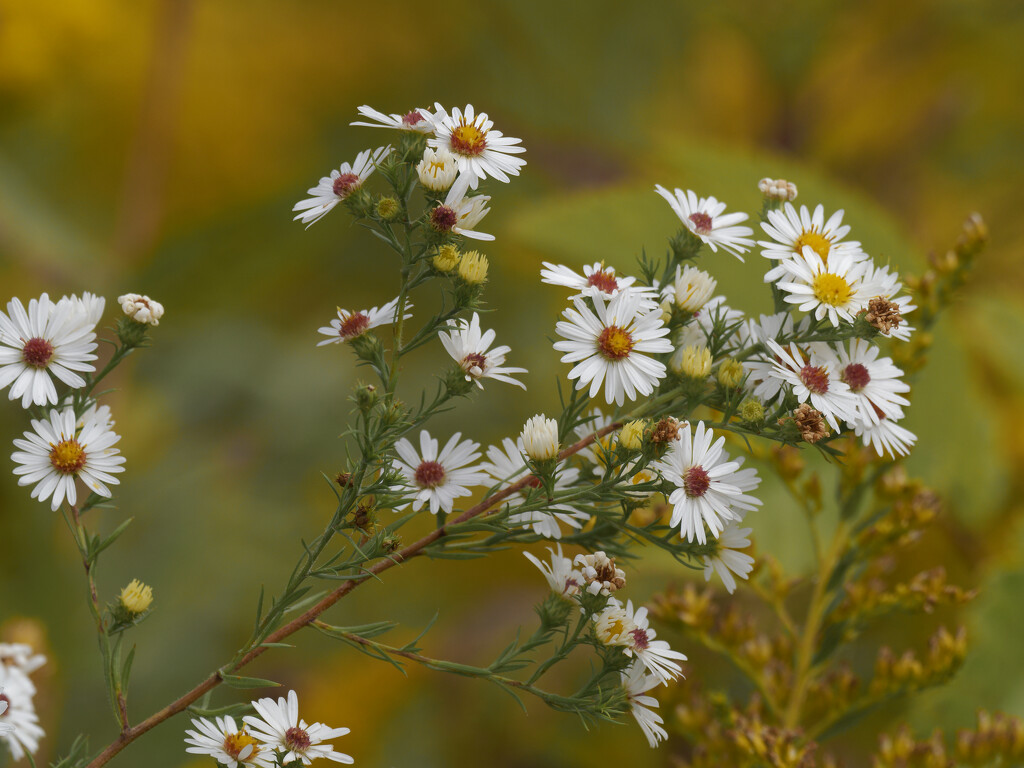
<point x="816" y="378"/>
<point x="507" y="465"/>
<point x="470" y="348"/>
<point x="55" y="453"/>
<point x="350" y="324"/>
<point x="692" y="288"/>
<point x="706" y="219"/>
<point x="460" y="214"/>
<point x="561" y="576"/>
<point x="340" y="184"/>
<point x="881" y="282"/>
<point x="46" y="340"/>
<point x="228" y="744"/>
<point x="610" y="344"/>
<point x="596" y="280"/>
<point x="759" y="368"/>
<point x="793" y="231"/>
<point x="876" y="383"/>
<point x="710" y="488"/>
<point x="89" y="306"/>
<point x="417" y="120"/>
<point x="600" y="573"/>
<point x="836" y="290"/>
<point x="19" y="724"/>
<point x="437" y="170"/>
<point x="279" y="727"/>
<point x="21" y="657"/>
<point x="439" y="478"/>
<point x="141" y="309"/>
<point x="482" y="152"/>
<point x="621" y="626"/>
<point x="540" y="438"/>
<point x="726" y="560"/>
<point x="637" y="683"/>
<point x="885" y="435"/>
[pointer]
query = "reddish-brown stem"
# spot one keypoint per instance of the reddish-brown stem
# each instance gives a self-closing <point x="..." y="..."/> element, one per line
<point x="130" y="734"/>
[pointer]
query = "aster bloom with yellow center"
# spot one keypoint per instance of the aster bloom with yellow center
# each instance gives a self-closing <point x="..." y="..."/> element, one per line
<point x="415" y="120"/>
<point x="45" y="342"/>
<point x="619" y="625"/>
<point x="481" y="151"/>
<point x="876" y="382"/>
<point x="280" y="728"/>
<point x="816" y="378"/>
<point x="437" y="479"/>
<point x="228" y="744"/>
<point x="793" y="230"/>
<point x="835" y="290"/>
<point x="710" y="487"/>
<point x="348" y="325"/>
<point x="56" y="453"/>
<point x="611" y="343"/>
<point x="596" y="280"/>
<point x="727" y="559"/>
<point x="342" y="182"/>
<point x="470" y="348"/>
<point x="705" y="218"/>
<point x="637" y="683"/>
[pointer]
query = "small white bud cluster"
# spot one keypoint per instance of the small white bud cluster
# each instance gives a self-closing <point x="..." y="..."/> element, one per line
<point x="141" y="309"/>
<point x="777" y="189"/>
<point x="540" y="438"/>
<point x="600" y="573"/>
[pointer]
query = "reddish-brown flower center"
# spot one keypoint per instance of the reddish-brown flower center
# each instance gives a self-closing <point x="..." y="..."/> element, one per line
<point x="412" y="118"/>
<point x="353" y="325"/>
<point x="701" y="223"/>
<point x="443" y="218"/>
<point x="468" y="140"/>
<point x="615" y="343"/>
<point x="857" y="376"/>
<point x="473" y="360"/>
<point x="815" y="378"/>
<point x="640" y="639"/>
<point x="603" y="281"/>
<point x="67" y="457"/>
<point x="696" y="481"/>
<point x="296" y="739"/>
<point x="346" y="183"/>
<point x="429" y="474"/>
<point x="37" y="352"/>
<point x="234" y="743"/>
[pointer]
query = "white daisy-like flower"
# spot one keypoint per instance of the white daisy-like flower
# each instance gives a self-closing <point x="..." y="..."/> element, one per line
<point x="460" y="213"/>
<point x="470" y="348"/>
<point x="816" y="378"/>
<point x="692" y="288"/>
<point x="600" y="573"/>
<point x="726" y="560"/>
<point x="758" y="368"/>
<point x="437" y="170"/>
<point x="885" y="284"/>
<point x="876" y="383"/>
<point x="885" y="435"/>
<point x="621" y="626"/>
<point x="611" y="344"/>
<point x="21" y="657"/>
<point x="706" y="219"/>
<point x="596" y="280"/>
<point x="55" y="453"/>
<point x="350" y="324"/>
<point x="19" y="724"/>
<point x="417" y="120"/>
<point x="45" y="340"/>
<point x="279" y="727"/>
<point x="141" y="309"/>
<point x="482" y="152"/>
<point x="340" y="184"/>
<point x="90" y="306"/>
<point x="539" y="438"/>
<point x="637" y="683"/>
<point x="793" y="231"/>
<point x="836" y="290"/>
<point x="439" y="478"/>
<point x="228" y="744"/>
<point x="561" y="576"/>
<point x="710" y="487"/>
<point x="506" y="465"/>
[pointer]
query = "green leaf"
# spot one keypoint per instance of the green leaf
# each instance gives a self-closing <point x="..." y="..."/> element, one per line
<point x="236" y="681"/>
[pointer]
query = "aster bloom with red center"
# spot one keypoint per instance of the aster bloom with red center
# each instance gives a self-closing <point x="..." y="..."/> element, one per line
<point x="350" y="324"/>
<point x="56" y="453"/>
<point x="417" y="120"/>
<point x="710" y="486"/>
<point x="279" y="728"/>
<point x="470" y="348"/>
<point x="460" y="213"/>
<point x="622" y="626"/>
<point x="506" y="465"/>
<point x="482" y="152"/>
<point x="876" y="382"/>
<point x="45" y="342"/>
<point x="19" y="724"/>
<point x="611" y="343"/>
<point x="439" y="478"/>
<point x="793" y="230"/>
<point x="596" y="280"/>
<point x="835" y="290"/>
<point x="563" y="579"/>
<point x="228" y="744"/>
<point x="815" y="377"/>
<point x="727" y="560"/>
<point x="637" y="683"/>
<point x="340" y="184"/>
<point x="706" y="219"/>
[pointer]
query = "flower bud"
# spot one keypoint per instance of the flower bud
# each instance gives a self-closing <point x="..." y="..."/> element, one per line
<point x="777" y="189"/>
<point x="692" y="361"/>
<point x="631" y="437"/>
<point x="473" y="268"/>
<point x="540" y="438"/>
<point x="141" y="309"/>
<point x="751" y="411"/>
<point x="693" y="288"/>
<point x="437" y="170"/>
<point x="366" y="397"/>
<point x="730" y="373"/>
<point x="387" y="208"/>
<point x="136" y="598"/>
<point x="446" y="259"/>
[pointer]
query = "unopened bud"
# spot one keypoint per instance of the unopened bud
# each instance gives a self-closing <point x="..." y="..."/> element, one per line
<point x="387" y="208"/>
<point x="631" y="437"/>
<point x="136" y="598"/>
<point x="473" y="268"/>
<point x="446" y="259"/>
<point x="730" y="373"/>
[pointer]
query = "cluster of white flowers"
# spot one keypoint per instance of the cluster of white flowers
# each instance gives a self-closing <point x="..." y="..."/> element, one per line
<point x="278" y="736"/>
<point x="19" y="724"/>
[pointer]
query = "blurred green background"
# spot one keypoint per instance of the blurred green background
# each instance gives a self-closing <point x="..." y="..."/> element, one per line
<point x="158" y="147"/>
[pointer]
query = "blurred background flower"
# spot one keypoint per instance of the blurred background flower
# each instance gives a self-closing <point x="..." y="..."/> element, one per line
<point x="158" y="146"/>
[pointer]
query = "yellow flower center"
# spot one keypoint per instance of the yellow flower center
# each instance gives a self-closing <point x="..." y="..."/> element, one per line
<point x="67" y="457"/>
<point x="615" y="343"/>
<point x="818" y="243"/>
<point x="469" y="140"/>
<point x="234" y="743"/>
<point x="831" y="289"/>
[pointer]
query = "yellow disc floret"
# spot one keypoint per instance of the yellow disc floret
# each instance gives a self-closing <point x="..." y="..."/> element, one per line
<point x="137" y="597"/>
<point x="832" y="289"/>
<point x="67" y="457"/>
<point x="817" y="242"/>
